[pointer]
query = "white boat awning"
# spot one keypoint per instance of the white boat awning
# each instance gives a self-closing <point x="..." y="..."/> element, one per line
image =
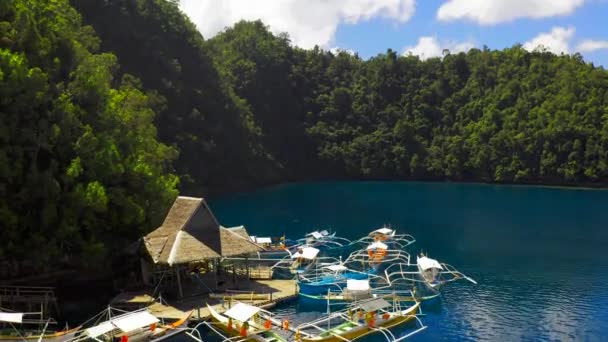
<point x="377" y="245"/>
<point x="427" y="263"/>
<point x="373" y="304"/>
<point x="125" y="323"/>
<point x="357" y="285"/>
<point x="324" y="232"/>
<point x="315" y="235"/>
<point x="100" y="329"/>
<point x="11" y="317"/>
<point x="135" y="321"/>
<point x="263" y="240"/>
<point x="384" y="231"/>
<point x="306" y="253"/>
<point x="336" y="268"/>
<point x="242" y="312"/>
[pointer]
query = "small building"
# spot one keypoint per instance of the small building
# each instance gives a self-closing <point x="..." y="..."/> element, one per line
<point x="190" y="242"/>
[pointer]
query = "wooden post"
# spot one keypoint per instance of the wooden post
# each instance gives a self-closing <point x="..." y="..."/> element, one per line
<point x="179" y="283"/>
<point x="247" y="267"/>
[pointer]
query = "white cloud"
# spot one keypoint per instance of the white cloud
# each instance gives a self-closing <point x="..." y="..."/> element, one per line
<point x="308" y="23"/>
<point x="556" y="41"/>
<point x="487" y="12"/>
<point x="590" y="45"/>
<point x="429" y="47"/>
<point x="336" y="50"/>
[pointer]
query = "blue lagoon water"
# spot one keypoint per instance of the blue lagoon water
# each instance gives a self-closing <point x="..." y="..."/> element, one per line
<point x="540" y="254"/>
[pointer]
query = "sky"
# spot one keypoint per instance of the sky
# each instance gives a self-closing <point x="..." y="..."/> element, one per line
<point x="420" y="27"/>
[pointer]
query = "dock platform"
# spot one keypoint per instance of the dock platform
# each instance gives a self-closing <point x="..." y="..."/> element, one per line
<point x="262" y="293"/>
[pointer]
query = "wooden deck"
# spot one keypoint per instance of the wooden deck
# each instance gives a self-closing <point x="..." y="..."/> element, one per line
<point x="263" y="293"/>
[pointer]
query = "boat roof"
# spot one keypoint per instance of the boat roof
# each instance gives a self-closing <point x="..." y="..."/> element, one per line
<point x="263" y="240"/>
<point x="315" y="234"/>
<point x="125" y="323"/>
<point x="11" y="317"/>
<point x="373" y="304"/>
<point x="357" y="284"/>
<point x="336" y="268"/>
<point x="426" y="263"/>
<point x="383" y="230"/>
<point x="377" y="245"/>
<point x="324" y="232"/>
<point x="307" y="253"/>
<point x="242" y="312"/>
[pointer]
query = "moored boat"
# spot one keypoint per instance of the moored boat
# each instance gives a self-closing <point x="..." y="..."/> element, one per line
<point x="13" y="334"/>
<point x="137" y="326"/>
<point x="246" y="322"/>
<point x="366" y="317"/>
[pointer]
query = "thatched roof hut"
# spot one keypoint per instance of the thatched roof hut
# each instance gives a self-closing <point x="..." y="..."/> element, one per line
<point x="236" y="241"/>
<point x="191" y="233"/>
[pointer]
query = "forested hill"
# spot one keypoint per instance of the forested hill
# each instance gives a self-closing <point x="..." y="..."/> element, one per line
<point x="268" y="107"/>
<point x="108" y="106"/>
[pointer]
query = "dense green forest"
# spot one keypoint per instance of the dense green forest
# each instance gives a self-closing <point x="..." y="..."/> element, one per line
<point x="108" y="106"/>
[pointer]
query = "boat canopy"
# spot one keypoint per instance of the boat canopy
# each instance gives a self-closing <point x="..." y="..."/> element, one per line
<point x="263" y="240"/>
<point x="377" y="245"/>
<point x="383" y="230"/>
<point x="336" y="268"/>
<point x="324" y="232"/>
<point x="125" y="323"/>
<point x="315" y="235"/>
<point x="306" y="253"/>
<point x="242" y="312"/>
<point x="426" y="263"/>
<point x="357" y="285"/>
<point x="373" y="304"/>
<point x="11" y="317"/>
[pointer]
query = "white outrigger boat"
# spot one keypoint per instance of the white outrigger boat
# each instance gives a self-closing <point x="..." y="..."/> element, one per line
<point x="362" y="318"/>
<point x="388" y="236"/>
<point x="243" y="322"/>
<point x="426" y="270"/>
<point x="13" y="334"/>
<point x="299" y="262"/>
<point x="323" y="240"/>
<point x="135" y="326"/>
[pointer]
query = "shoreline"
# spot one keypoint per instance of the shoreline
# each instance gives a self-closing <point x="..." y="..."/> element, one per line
<point x="253" y="189"/>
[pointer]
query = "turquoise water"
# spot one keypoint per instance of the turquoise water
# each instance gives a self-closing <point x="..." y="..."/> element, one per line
<point x="540" y="255"/>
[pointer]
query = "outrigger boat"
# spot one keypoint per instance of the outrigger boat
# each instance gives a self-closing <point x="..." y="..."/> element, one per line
<point x="326" y="278"/>
<point x="324" y="240"/>
<point x="136" y="326"/>
<point x="371" y="316"/>
<point x="426" y="270"/>
<point x="275" y="247"/>
<point x="13" y="334"/>
<point x="362" y="289"/>
<point x="388" y="236"/>
<point x="303" y="259"/>
<point x="245" y="323"/>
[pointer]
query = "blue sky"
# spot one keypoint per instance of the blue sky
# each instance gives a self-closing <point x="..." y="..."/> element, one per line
<point x="421" y="27"/>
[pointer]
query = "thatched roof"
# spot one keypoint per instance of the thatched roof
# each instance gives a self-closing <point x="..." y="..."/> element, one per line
<point x="236" y="241"/>
<point x="191" y="233"/>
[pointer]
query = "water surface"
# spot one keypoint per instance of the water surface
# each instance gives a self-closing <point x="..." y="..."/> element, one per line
<point x="540" y="255"/>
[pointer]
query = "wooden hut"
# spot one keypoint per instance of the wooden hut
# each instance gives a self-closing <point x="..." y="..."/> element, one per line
<point x="191" y="234"/>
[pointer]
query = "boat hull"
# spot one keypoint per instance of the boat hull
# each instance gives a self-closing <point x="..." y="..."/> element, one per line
<point x="360" y="331"/>
<point x="53" y="337"/>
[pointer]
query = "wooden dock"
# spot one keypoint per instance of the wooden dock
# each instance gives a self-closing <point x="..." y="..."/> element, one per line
<point x="262" y="293"/>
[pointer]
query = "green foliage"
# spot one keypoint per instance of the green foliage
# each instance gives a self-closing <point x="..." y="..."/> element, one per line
<point x="219" y="143"/>
<point x="81" y="171"/>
